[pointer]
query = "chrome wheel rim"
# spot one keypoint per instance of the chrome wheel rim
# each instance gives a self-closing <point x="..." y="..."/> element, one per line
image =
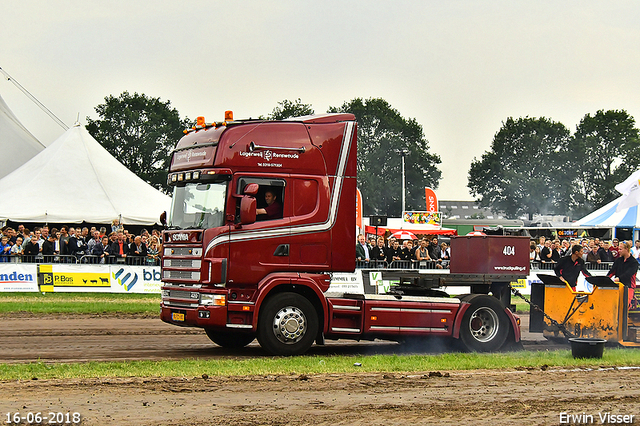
<point x="483" y="324"/>
<point x="289" y="325"/>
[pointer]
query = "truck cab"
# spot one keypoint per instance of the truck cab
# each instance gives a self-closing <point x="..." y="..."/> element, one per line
<point x="221" y="259"/>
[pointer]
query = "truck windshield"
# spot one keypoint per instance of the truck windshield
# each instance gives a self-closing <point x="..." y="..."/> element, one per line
<point x="198" y="205"/>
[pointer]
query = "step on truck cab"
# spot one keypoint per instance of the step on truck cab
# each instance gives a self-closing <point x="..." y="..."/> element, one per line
<point x="263" y="213"/>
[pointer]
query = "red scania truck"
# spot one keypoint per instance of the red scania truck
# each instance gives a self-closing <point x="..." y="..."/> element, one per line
<point x="242" y="275"/>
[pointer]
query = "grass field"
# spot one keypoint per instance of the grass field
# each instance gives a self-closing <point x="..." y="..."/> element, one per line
<point x="80" y="303"/>
<point x="318" y="365"/>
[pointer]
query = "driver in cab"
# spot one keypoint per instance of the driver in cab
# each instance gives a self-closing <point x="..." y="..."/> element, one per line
<point x="273" y="210"/>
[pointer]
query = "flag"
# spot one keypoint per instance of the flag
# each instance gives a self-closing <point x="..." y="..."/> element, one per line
<point x="630" y="189"/>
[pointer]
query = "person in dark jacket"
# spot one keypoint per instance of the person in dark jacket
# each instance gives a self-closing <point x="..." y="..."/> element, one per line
<point x="31" y="250"/>
<point x="137" y="252"/>
<point x="624" y="270"/>
<point x="569" y="268"/>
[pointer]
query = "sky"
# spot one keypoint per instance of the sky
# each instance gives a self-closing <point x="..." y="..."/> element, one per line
<point x="460" y="68"/>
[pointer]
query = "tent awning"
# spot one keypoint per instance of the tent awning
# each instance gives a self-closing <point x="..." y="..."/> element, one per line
<point x="607" y="217"/>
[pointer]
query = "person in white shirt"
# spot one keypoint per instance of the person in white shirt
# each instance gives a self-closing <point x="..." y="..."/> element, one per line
<point x="635" y="251"/>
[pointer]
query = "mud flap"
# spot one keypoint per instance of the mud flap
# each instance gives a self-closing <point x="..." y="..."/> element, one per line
<point x="536" y="318"/>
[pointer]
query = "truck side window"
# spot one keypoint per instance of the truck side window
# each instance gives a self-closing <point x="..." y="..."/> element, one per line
<point x="269" y="199"/>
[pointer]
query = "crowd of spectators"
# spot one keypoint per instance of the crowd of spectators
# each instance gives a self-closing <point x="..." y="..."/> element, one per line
<point x="595" y="251"/>
<point x="81" y="244"/>
<point x="404" y="254"/>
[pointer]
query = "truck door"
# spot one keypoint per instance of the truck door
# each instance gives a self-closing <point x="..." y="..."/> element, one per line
<point x="260" y="248"/>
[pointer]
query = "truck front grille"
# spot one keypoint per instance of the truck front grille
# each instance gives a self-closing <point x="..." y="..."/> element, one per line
<point x="182" y="275"/>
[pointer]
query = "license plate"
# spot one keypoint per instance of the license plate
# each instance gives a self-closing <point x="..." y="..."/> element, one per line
<point x="177" y="316"/>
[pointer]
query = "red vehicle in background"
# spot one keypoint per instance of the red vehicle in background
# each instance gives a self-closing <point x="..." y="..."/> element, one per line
<point x="242" y="274"/>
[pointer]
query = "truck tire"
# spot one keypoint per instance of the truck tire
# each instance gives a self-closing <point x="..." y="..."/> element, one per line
<point x="287" y="325"/>
<point x="484" y="326"/>
<point x="229" y="339"/>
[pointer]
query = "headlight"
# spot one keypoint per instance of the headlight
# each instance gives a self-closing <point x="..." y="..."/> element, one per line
<point x="213" y="299"/>
<point x="165" y="293"/>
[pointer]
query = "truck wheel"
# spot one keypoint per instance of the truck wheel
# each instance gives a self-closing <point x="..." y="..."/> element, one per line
<point x="287" y="325"/>
<point x="484" y="326"/>
<point x="228" y="339"/>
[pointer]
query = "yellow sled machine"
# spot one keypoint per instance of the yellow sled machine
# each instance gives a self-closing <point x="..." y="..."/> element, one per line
<point x="602" y="313"/>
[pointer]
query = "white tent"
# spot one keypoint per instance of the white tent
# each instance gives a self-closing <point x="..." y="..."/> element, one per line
<point x="17" y="145"/>
<point x="74" y="180"/>
<point x="607" y="216"/>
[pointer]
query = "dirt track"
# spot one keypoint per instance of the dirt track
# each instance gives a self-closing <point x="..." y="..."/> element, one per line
<point x="476" y="397"/>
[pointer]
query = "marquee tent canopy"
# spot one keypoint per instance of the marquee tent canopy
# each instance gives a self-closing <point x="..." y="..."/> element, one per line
<point x="17" y="145"/>
<point x="74" y="180"/>
<point x="607" y="216"/>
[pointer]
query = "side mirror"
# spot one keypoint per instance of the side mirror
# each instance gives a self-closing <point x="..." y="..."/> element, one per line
<point x="163" y="219"/>
<point x="247" y="209"/>
<point x="251" y="189"/>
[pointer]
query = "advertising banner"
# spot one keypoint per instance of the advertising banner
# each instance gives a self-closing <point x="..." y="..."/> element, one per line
<point x="18" y="277"/>
<point x="423" y="218"/>
<point x="100" y="278"/>
<point x="432" y="199"/>
<point x="135" y="279"/>
<point x="346" y="282"/>
<point x="359" y="210"/>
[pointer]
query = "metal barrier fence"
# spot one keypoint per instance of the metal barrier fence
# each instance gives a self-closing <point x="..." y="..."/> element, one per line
<point x="86" y="259"/>
<point x="548" y="266"/>
<point x="401" y="264"/>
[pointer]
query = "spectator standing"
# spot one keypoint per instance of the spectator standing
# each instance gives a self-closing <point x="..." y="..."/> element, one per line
<point x="76" y="246"/>
<point x="119" y="248"/>
<point x="64" y="239"/>
<point x="434" y="249"/>
<point x="17" y="250"/>
<point x="555" y="253"/>
<point x="101" y="250"/>
<point x="5" y="249"/>
<point x="153" y="252"/>
<point x="116" y="226"/>
<point x="94" y="241"/>
<point x="614" y="248"/>
<point x="593" y="257"/>
<point x="393" y="253"/>
<point x="422" y="253"/>
<point x="445" y="255"/>
<point x="635" y="251"/>
<point x="542" y="242"/>
<point x="379" y="252"/>
<point x="137" y="251"/>
<point x="31" y="250"/>
<point x="534" y="253"/>
<point x="21" y="231"/>
<point x="27" y="237"/>
<point x="605" y="253"/>
<point x="545" y="252"/>
<point x="48" y="248"/>
<point x="362" y="250"/>
<point x="406" y="250"/>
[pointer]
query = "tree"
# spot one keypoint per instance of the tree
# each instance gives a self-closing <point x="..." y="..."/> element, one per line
<point x="526" y="171"/>
<point x="382" y="135"/>
<point x="607" y="152"/>
<point x="286" y="109"/>
<point x="140" y="132"/>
